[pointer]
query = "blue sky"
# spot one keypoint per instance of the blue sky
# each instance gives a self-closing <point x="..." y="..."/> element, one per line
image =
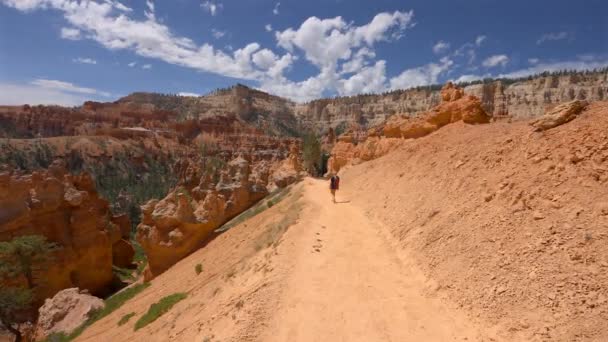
<point x="68" y="51"/>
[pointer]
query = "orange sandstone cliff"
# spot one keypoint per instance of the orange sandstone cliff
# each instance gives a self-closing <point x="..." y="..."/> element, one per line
<point x="67" y="210"/>
<point x="455" y="106"/>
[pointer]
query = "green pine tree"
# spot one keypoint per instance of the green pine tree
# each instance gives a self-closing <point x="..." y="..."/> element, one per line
<point x="12" y="301"/>
<point x="311" y="153"/>
<point x="24" y="255"/>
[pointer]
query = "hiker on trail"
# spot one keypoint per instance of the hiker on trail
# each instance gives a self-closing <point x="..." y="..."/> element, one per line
<point x="334" y="184"/>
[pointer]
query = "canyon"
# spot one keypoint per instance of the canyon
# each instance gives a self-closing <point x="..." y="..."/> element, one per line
<point x="162" y="173"/>
<point x="490" y="231"/>
<point x="78" y="176"/>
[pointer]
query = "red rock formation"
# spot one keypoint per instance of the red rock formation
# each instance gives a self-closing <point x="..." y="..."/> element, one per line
<point x="177" y="225"/>
<point x="456" y="106"/>
<point x="67" y="210"/>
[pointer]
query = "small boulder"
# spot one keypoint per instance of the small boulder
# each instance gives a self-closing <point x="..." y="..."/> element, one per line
<point x="559" y="115"/>
<point x="66" y="311"/>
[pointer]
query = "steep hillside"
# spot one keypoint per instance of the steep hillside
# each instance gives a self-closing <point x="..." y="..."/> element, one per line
<point x="233" y="294"/>
<point x="509" y="223"/>
<point x="492" y="232"/>
<point x="303" y="270"/>
<point x="271" y="114"/>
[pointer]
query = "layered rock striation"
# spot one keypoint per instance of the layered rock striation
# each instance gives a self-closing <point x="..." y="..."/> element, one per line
<point x="158" y="113"/>
<point x="521" y="99"/>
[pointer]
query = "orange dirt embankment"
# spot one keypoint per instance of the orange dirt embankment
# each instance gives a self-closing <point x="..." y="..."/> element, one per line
<point x="480" y="233"/>
<point x="511" y="224"/>
<point x="236" y="291"/>
<point x="304" y="270"/>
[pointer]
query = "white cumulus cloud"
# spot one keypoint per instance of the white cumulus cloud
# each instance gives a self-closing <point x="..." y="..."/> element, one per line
<point x="420" y="76"/>
<point x="441" y="47"/>
<point x="352" y="48"/>
<point x="275" y="10"/>
<point x="348" y="67"/>
<point x="495" y="60"/>
<point x="315" y="35"/>
<point x="369" y="79"/>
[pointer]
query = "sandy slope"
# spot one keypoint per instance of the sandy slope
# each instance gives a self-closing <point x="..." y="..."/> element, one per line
<point x="511" y="224"/>
<point x="348" y="284"/>
<point x="333" y="276"/>
<point x="228" y="301"/>
<point x="489" y="233"/>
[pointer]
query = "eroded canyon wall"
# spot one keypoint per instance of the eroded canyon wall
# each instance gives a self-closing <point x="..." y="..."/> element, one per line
<point x="502" y="98"/>
<point x="67" y="210"/>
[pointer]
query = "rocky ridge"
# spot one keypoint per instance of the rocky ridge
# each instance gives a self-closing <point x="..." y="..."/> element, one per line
<point x="358" y="146"/>
<point x="522" y="99"/>
<point x="515" y="99"/>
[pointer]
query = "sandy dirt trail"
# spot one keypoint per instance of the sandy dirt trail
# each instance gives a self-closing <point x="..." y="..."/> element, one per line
<point x="347" y="283"/>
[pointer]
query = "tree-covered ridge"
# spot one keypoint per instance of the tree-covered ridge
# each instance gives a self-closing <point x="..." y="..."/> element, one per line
<point x="372" y="97"/>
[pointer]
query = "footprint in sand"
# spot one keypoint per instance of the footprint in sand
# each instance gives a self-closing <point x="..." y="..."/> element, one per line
<point x="317" y="247"/>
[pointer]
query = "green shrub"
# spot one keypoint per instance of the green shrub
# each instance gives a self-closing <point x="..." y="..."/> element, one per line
<point x="126" y="318"/>
<point x="311" y="153"/>
<point x="198" y="269"/>
<point x="125" y="275"/>
<point x="159" y="308"/>
<point x="117" y="300"/>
